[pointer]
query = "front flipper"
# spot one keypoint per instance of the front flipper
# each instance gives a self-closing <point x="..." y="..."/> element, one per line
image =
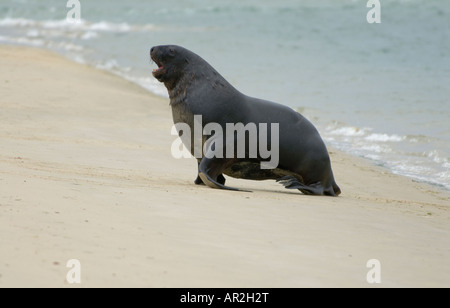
<point x="211" y="167"/>
<point x="220" y="179"/>
<point x="199" y="181"/>
<point x="210" y="172"/>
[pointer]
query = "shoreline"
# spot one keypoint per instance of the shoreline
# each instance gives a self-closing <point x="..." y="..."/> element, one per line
<point x="86" y="173"/>
<point x="353" y="152"/>
<point x="384" y="164"/>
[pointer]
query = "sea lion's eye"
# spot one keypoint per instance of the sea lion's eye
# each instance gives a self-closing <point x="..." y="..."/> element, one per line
<point x="172" y="52"/>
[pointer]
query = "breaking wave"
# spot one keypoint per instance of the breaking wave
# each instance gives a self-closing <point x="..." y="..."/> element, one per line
<point x="404" y="155"/>
<point x="82" y="25"/>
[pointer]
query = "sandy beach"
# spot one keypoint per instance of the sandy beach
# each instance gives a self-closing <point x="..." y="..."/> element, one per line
<point x="86" y="173"/>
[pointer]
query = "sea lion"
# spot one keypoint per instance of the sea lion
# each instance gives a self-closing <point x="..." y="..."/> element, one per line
<point x="196" y="89"/>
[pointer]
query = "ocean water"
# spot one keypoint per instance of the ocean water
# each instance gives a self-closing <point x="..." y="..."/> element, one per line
<point x="379" y="91"/>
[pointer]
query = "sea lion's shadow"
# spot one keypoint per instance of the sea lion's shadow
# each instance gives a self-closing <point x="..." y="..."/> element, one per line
<point x="244" y="190"/>
<point x="287" y="192"/>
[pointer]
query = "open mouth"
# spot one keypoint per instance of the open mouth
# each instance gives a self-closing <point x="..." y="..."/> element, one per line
<point x="160" y="68"/>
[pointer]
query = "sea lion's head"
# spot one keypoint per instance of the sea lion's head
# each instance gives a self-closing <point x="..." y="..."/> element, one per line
<point x="184" y="72"/>
<point x="171" y="60"/>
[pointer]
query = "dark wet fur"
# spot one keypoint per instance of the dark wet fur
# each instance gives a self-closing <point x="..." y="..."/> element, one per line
<point x="196" y="88"/>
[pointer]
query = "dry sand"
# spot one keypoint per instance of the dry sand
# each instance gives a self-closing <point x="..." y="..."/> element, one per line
<point x="86" y="173"/>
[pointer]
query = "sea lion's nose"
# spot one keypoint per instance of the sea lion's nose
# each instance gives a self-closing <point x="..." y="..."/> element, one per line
<point x="153" y="50"/>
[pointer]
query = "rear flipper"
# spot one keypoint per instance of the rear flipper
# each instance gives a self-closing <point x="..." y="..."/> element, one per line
<point x="290" y="182"/>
